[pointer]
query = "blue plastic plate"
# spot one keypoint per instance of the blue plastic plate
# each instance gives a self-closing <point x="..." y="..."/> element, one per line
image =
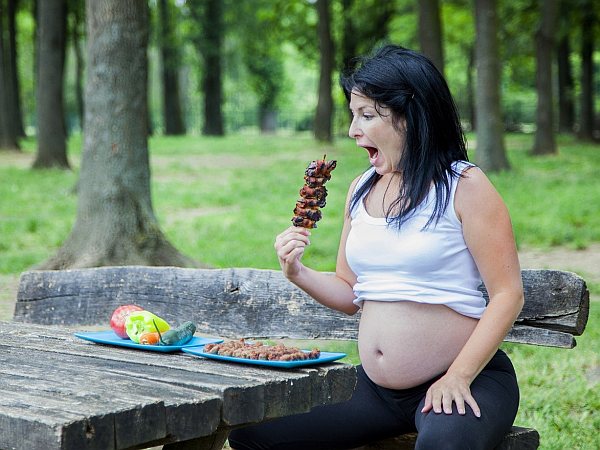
<point x="110" y="338"/>
<point x="324" y="358"/>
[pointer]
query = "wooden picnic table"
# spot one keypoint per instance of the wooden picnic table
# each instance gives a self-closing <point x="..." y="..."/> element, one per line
<point x="60" y="392"/>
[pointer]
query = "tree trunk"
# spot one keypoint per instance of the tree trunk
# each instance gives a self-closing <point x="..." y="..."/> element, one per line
<point x="268" y="120"/>
<point x="490" y="152"/>
<point x="14" y="72"/>
<point x="51" y="133"/>
<point x="8" y="133"/>
<point x="349" y="37"/>
<point x="169" y="51"/>
<point x="115" y="222"/>
<point x="545" y="141"/>
<point x="324" y="112"/>
<point x="586" y="116"/>
<point x="212" y="85"/>
<point x="566" y="107"/>
<point x="430" y="32"/>
<point x="77" y="13"/>
<point x="470" y="87"/>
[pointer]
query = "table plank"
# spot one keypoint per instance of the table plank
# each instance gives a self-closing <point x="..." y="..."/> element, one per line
<point x="62" y="392"/>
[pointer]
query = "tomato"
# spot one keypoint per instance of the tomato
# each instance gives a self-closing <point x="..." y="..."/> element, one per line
<point x="117" y="320"/>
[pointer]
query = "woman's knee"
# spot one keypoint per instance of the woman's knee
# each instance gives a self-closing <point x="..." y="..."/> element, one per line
<point x="454" y="432"/>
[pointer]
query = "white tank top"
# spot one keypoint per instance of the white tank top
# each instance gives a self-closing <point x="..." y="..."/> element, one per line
<point x="431" y="265"/>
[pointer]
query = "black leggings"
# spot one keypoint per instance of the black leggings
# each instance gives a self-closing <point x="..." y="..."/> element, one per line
<point x="375" y="413"/>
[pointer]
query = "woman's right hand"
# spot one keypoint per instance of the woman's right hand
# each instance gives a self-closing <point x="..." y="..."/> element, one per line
<point x="290" y="245"/>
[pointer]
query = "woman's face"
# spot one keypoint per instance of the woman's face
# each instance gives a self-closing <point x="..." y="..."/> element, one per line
<point x="373" y="129"/>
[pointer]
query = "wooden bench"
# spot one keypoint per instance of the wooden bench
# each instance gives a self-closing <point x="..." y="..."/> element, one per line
<point x="235" y="303"/>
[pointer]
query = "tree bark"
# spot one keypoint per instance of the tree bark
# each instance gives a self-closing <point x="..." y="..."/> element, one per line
<point x="566" y="96"/>
<point x="8" y="130"/>
<point x="430" y="32"/>
<point x="566" y="107"/>
<point x="350" y="36"/>
<point x="324" y="113"/>
<point x="545" y="141"/>
<point x="586" y="115"/>
<point x="490" y="152"/>
<point x="51" y="132"/>
<point x="471" y="86"/>
<point x="365" y="23"/>
<point x="115" y="222"/>
<point x="77" y="11"/>
<point x="172" y="114"/>
<point x="14" y="72"/>
<point x="212" y="84"/>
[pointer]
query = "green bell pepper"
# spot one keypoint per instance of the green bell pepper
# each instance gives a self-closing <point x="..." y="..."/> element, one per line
<point x="139" y="322"/>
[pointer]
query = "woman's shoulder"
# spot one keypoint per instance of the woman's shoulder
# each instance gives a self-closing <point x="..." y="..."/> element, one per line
<point x="475" y="192"/>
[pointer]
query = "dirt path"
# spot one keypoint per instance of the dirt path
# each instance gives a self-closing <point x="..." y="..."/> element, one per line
<point x="583" y="262"/>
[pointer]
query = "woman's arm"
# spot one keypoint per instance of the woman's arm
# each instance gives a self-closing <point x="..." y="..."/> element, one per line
<point x="488" y="234"/>
<point x="332" y="290"/>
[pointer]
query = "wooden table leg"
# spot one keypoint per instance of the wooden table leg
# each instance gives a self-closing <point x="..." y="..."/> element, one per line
<point x="215" y="441"/>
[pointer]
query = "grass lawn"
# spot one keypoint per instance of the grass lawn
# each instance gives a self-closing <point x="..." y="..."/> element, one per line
<point x="222" y="201"/>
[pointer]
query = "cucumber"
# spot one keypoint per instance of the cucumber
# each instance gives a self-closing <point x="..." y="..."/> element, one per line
<point x="180" y="335"/>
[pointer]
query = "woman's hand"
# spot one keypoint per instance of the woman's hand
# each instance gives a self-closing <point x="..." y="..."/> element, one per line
<point x="290" y="247"/>
<point x="449" y="389"/>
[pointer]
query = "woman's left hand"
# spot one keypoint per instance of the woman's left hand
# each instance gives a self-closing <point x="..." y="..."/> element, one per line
<point x="449" y="389"/>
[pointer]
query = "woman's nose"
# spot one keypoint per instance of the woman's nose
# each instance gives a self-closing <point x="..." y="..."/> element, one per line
<point x="354" y="130"/>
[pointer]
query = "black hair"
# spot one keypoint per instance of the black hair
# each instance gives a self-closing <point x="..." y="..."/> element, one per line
<point x="414" y="90"/>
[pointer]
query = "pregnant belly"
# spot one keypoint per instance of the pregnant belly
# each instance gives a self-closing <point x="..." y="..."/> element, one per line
<point x="403" y="344"/>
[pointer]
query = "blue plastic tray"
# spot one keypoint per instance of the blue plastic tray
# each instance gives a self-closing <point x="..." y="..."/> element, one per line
<point x="324" y="358"/>
<point x="110" y="338"/>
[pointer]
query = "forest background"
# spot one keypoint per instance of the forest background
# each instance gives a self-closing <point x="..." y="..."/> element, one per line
<point x="176" y="133"/>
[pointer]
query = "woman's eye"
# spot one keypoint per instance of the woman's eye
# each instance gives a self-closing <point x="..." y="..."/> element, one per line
<point x="367" y="116"/>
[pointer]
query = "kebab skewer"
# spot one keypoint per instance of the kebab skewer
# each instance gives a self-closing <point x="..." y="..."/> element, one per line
<point x="313" y="194"/>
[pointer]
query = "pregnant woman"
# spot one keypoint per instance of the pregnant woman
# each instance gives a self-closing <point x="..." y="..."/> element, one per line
<point x="423" y="228"/>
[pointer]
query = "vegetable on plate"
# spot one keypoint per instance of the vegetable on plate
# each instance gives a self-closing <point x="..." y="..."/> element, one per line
<point x="139" y="322"/>
<point x="150" y="338"/>
<point x="178" y="336"/>
<point x="117" y="320"/>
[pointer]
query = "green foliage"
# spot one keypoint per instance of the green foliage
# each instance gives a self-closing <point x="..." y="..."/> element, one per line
<point x="552" y="199"/>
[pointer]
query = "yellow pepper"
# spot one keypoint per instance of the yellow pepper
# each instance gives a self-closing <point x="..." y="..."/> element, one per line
<point x="139" y="322"/>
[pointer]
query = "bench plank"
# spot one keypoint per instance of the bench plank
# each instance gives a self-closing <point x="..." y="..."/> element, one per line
<point x="262" y="303"/>
<point x="266" y="304"/>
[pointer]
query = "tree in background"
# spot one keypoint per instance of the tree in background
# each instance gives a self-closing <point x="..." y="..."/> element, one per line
<point x="365" y="23"/>
<point x="171" y="62"/>
<point x="545" y="141"/>
<point x="115" y="222"/>
<point x="566" y="105"/>
<point x="289" y="31"/>
<point x="9" y="129"/>
<point x="208" y="15"/>
<point x="490" y="153"/>
<point x="12" y="8"/>
<point x="76" y="31"/>
<point x="51" y="132"/>
<point x="260" y="41"/>
<point x="324" y="113"/>
<point x="586" y="101"/>
<point x="430" y="32"/>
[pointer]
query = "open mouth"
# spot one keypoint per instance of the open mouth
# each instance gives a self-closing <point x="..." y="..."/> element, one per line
<point x="373" y="152"/>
